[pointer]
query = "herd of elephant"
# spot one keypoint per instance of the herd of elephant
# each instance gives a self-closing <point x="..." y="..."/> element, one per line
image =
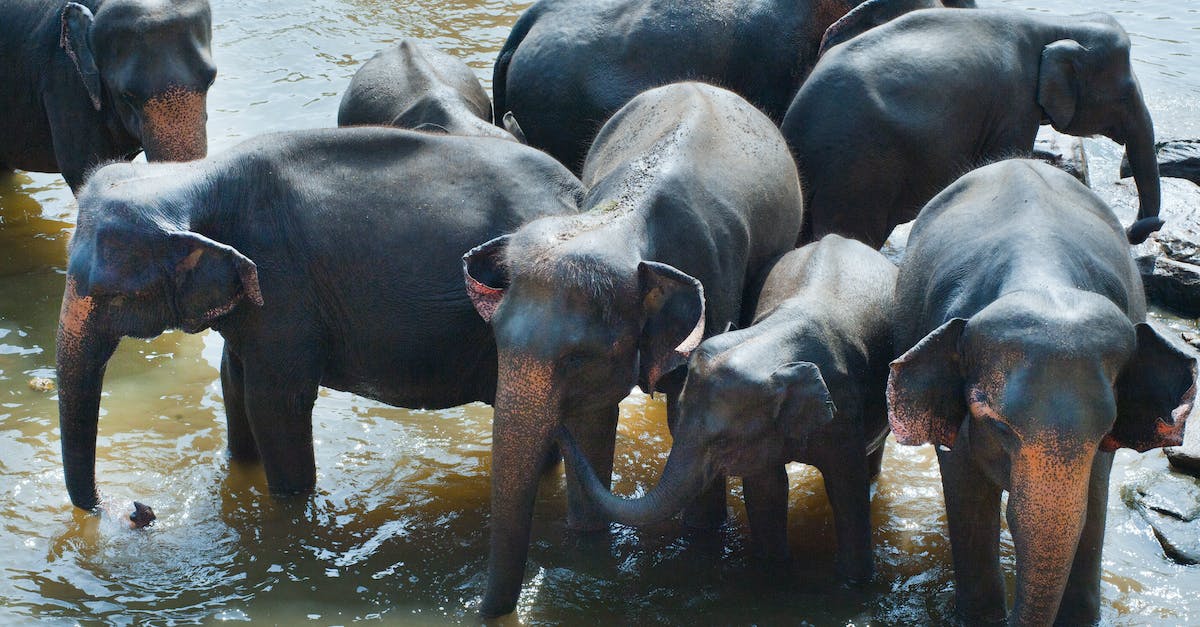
<point x="714" y="240"/>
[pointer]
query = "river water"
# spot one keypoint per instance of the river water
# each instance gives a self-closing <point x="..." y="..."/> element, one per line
<point x="396" y="531"/>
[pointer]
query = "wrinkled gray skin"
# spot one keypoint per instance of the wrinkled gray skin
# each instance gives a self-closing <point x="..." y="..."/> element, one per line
<point x="1029" y="360"/>
<point x="804" y="383"/>
<point x="691" y="193"/>
<point x="98" y="80"/>
<point x="568" y="65"/>
<point x="904" y="108"/>
<point x="416" y="86"/>
<point x="327" y="257"/>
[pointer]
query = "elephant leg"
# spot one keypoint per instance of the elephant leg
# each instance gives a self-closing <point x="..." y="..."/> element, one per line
<point x="973" y="516"/>
<point x="766" y="495"/>
<point x="241" y="440"/>
<point x="1081" y="600"/>
<point x="875" y="461"/>
<point x="596" y="433"/>
<point x="279" y="403"/>
<point x="848" y="486"/>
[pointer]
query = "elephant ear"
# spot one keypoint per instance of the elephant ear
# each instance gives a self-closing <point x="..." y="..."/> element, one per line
<point x="76" y="39"/>
<point x="486" y="275"/>
<point x="1059" y="81"/>
<point x="673" y="309"/>
<point x="805" y="403"/>
<point x="926" y="400"/>
<point x="210" y="279"/>
<point x="1155" y="393"/>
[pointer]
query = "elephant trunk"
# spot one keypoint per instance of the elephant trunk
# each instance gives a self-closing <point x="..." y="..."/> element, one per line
<point x="1139" y="148"/>
<point x="82" y="354"/>
<point x="1047" y="509"/>
<point x="174" y="126"/>
<point x="682" y="480"/>
<point x="522" y="434"/>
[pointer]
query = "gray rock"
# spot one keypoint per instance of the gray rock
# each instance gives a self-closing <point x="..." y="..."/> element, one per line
<point x="1170" y="260"/>
<point x="1178" y="158"/>
<point x="1062" y="151"/>
<point x="1170" y="503"/>
<point x="1186" y="458"/>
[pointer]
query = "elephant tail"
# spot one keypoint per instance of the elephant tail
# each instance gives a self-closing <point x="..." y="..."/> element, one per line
<point x="500" y="73"/>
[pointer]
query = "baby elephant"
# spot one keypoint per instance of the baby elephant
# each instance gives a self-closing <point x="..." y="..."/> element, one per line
<point x="805" y="382"/>
<point x="415" y="86"/>
<point x="1030" y="363"/>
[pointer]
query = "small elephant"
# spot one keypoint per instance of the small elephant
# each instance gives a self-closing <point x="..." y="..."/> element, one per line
<point x="568" y="65"/>
<point x="1029" y="360"/>
<point x="415" y="86"/>
<point x="691" y="193"/>
<point x="804" y="383"/>
<point x="81" y="89"/>
<point x="892" y="116"/>
<point x="318" y="261"/>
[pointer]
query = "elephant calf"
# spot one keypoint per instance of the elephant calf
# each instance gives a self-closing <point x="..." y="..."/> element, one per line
<point x="328" y="257"/>
<point x="691" y="193"/>
<point x="415" y="86"/>
<point x="892" y="116"/>
<point x="90" y="82"/>
<point x="1029" y="360"/>
<point x="804" y="383"/>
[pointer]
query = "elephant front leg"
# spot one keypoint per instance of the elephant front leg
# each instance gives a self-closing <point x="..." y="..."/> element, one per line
<point x="596" y="433"/>
<point x="848" y="486"/>
<point x="1081" y="600"/>
<point x="242" y="447"/>
<point x="973" y="516"/>
<point x="766" y="495"/>
<point x="279" y="407"/>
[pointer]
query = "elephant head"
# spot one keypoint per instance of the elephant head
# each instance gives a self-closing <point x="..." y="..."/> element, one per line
<point x="738" y="415"/>
<point x="575" y="330"/>
<point x="1041" y="387"/>
<point x="1086" y="86"/>
<point x="129" y="274"/>
<point x="151" y="62"/>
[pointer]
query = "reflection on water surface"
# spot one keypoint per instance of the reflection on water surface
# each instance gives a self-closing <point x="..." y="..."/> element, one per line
<point x="397" y="527"/>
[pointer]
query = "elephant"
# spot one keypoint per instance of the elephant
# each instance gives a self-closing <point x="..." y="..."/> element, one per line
<point x="691" y="192"/>
<point x="906" y="107"/>
<point x="100" y="80"/>
<point x="568" y="65"/>
<point x="1027" y="360"/>
<point x="805" y="382"/>
<point x="412" y="85"/>
<point x="324" y="257"/>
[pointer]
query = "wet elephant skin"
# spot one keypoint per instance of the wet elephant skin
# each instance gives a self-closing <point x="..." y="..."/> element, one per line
<point x="804" y="383"/>
<point x="101" y="80"/>
<point x="1029" y="361"/>
<point x="306" y="286"/>
<point x="905" y="108"/>
<point x="691" y="192"/>
<point x="568" y="65"/>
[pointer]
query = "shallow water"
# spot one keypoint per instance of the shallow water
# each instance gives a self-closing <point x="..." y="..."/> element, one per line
<point x="397" y="528"/>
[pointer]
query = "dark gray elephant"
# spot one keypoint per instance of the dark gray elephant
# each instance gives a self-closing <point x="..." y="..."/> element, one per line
<point x="691" y="193"/>
<point x="904" y="108"/>
<point x="570" y="64"/>
<point x="1029" y="360"/>
<point x="328" y="257"/>
<point x="804" y="383"/>
<point x="412" y="85"/>
<point x="97" y="80"/>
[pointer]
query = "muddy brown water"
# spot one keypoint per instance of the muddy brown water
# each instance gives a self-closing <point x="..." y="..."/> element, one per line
<point x="396" y="531"/>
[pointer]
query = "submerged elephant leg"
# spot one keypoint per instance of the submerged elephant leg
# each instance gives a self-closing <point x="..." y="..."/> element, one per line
<point x="241" y="440"/>
<point x="766" y="495"/>
<point x="973" y="516"/>
<point x="279" y="406"/>
<point x="596" y="433"/>
<point x="875" y="462"/>
<point x="848" y="486"/>
<point x="1081" y="600"/>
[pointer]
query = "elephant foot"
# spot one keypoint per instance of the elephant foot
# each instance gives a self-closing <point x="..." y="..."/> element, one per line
<point x="987" y="619"/>
<point x="855" y="572"/>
